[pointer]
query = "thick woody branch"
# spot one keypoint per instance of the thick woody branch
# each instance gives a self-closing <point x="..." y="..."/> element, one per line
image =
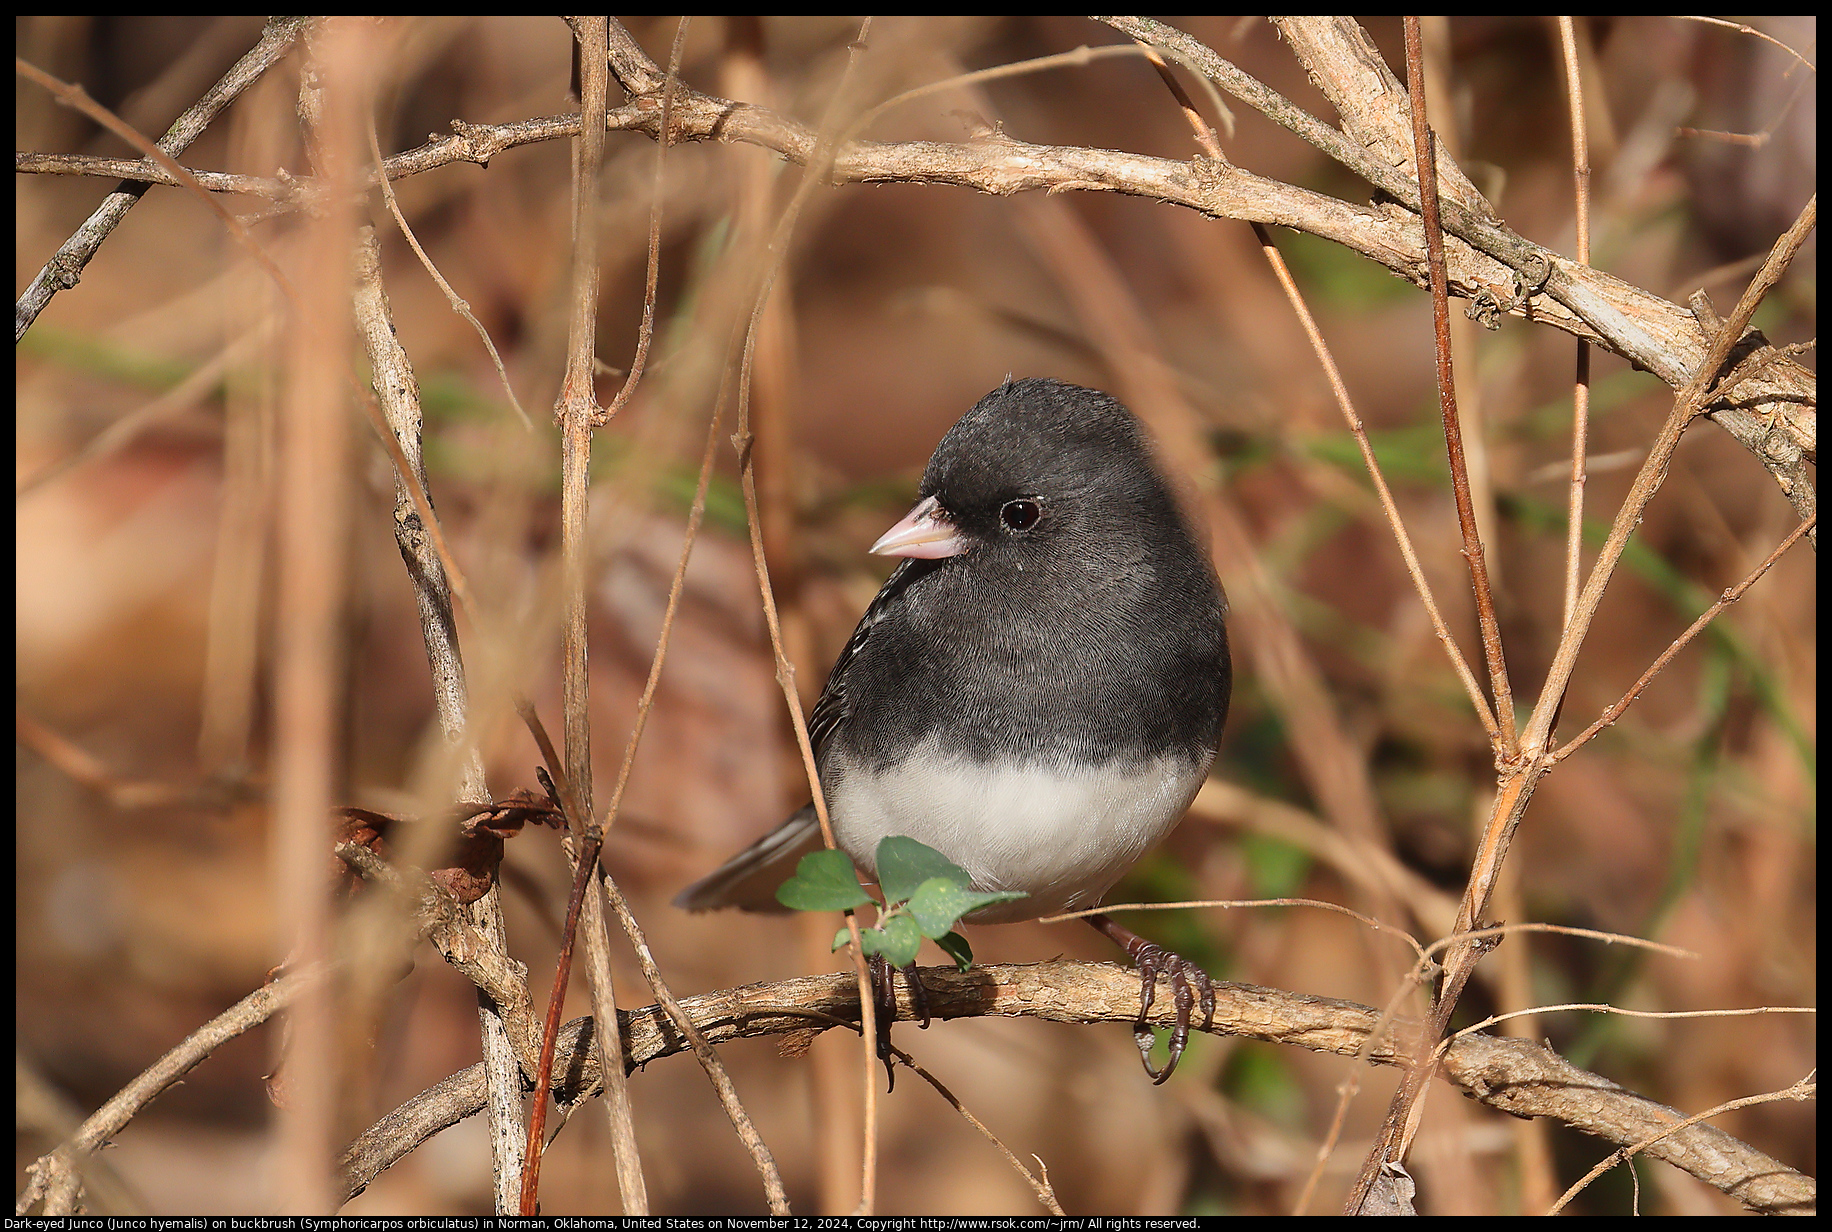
<point x="1512" y="1075"/>
<point x="1777" y="424"/>
<point x="1773" y="416"/>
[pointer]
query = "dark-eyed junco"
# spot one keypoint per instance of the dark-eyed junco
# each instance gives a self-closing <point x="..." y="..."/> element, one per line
<point x="1038" y="689"/>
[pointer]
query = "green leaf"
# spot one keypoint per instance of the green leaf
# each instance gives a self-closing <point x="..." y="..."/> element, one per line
<point x="896" y="941"/>
<point x="955" y="946"/>
<point x="939" y="902"/>
<point x="904" y="864"/>
<point x="841" y="938"/>
<point x="823" y="881"/>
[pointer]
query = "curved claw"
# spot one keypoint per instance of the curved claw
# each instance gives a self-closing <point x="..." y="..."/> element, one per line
<point x="884" y="1006"/>
<point x="1154" y="960"/>
<point x="1142" y="1036"/>
<point x="884" y="1011"/>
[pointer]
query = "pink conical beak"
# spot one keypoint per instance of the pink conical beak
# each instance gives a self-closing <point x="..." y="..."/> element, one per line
<point x="925" y="532"/>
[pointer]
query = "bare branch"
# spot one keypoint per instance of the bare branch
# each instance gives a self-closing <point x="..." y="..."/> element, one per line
<point x="1520" y="1077"/>
<point x="1485" y="262"/>
<point x="66" y="265"/>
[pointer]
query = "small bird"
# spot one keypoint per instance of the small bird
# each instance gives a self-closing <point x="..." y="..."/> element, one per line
<point x="1038" y="690"/>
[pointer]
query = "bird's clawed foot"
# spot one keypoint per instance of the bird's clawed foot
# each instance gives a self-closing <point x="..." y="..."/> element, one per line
<point x="884" y="1007"/>
<point x="1188" y="982"/>
<point x="1155" y="960"/>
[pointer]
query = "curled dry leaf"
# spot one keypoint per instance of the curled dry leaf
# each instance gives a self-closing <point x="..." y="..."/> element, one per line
<point x="479" y="848"/>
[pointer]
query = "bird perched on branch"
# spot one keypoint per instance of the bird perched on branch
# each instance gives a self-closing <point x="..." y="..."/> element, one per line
<point x="1038" y="690"/>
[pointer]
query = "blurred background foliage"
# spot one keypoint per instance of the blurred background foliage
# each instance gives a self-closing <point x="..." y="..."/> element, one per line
<point x="144" y="595"/>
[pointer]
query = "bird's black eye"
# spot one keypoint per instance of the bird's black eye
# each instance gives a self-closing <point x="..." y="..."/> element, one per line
<point x="1020" y="514"/>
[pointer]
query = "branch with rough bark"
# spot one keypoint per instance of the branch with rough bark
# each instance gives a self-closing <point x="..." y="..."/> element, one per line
<point x="1773" y="415"/>
<point x="1515" y="1076"/>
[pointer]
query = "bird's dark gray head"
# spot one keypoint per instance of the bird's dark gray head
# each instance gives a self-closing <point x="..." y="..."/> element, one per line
<point x="1049" y="562"/>
<point x="1040" y="458"/>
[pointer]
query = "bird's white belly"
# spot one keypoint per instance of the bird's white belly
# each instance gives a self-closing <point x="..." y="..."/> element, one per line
<point x="1061" y="834"/>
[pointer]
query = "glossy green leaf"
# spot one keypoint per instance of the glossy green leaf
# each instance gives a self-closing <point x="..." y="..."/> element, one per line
<point x="904" y="864"/>
<point x="823" y="881"/>
<point x="939" y="902"/>
<point x="896" y="942"/>
<point x="955" y="946"/>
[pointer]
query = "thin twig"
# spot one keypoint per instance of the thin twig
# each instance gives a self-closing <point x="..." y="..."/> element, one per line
<point x="1740" y="28"/>
<point x="703" y="1051"/>
<point x="1346" y="1092"/>
<point x="1580" y="393"/>
<point x="1040" y="1185"/>
<point x="1803" y="1090"/>
<point x="144" y="173"/>
<point x="697" y="510"/>
<point x="1609" y="716"/>
<point x="1688" y="404"/>
<point x="1403" y="1112"/>
<point x="818" y="166"/>
<point x="1567" y="930"/>
<point x="1225" y="904"/>
<point x="113" y="1117"/>
<point x="586" y="861"/>
<point x="578" y="413"/>
<point x="66" y="265"/>
<point x="1205" y="136"/>
<point x="1425" y="159"/>
<point x="1205" y="133"/>
<point x="77" y="99"/>
<point x="1081" y="57"/>
<point x="457" y="301"/>
<point x="1476" y="1028"/>
<point x="1471" y="686"/>
<point x="1358" y="861"/>
<point x="1417" y="978"/>
<point x="80" y="765"/>
<point x="646" y="332"/>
